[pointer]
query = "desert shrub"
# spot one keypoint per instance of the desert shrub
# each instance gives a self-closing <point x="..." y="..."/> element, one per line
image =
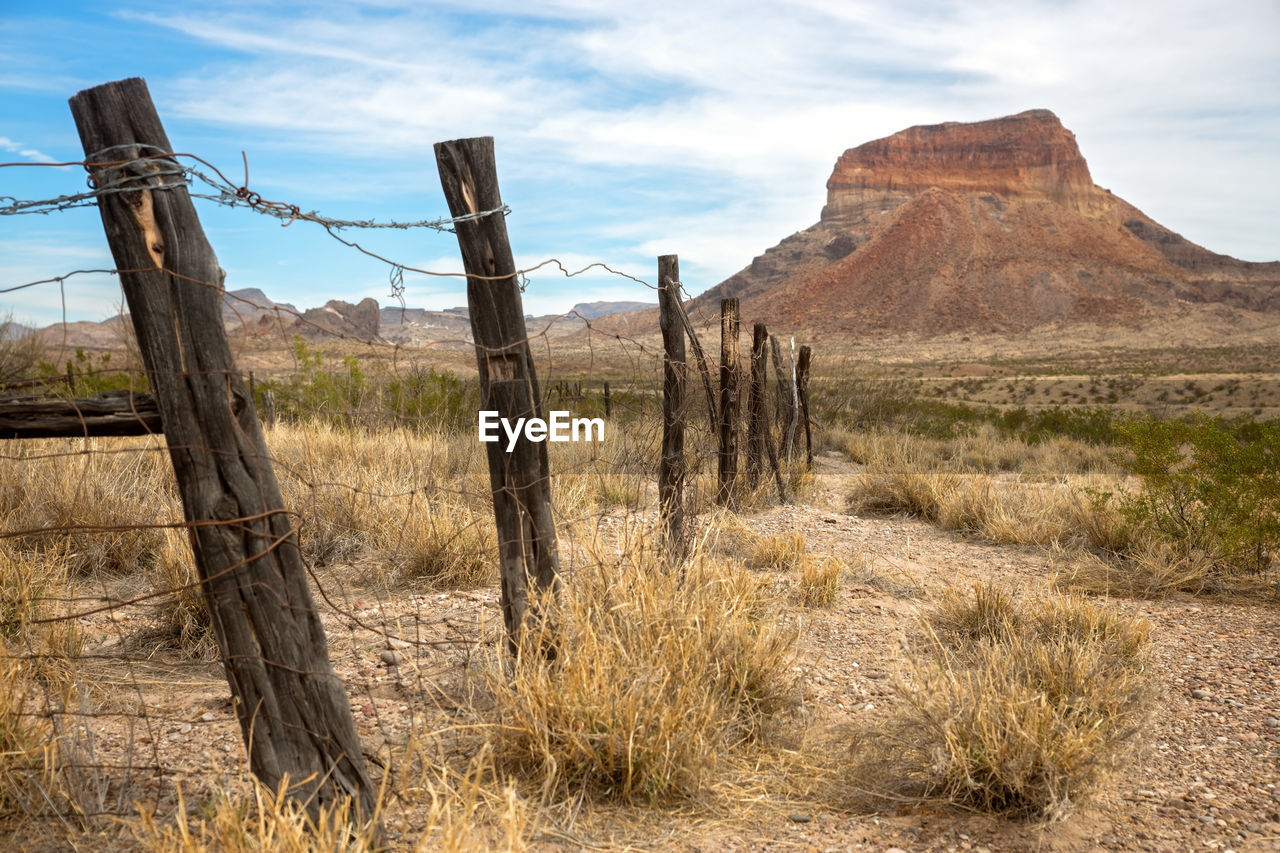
<point x="657" y="677"/>
<point x="21" y="352"/>
<point x="1095" y="425"/>
<point x="1208" y="488"/>
<point x="89" y="374"/>
<point x="429" y="399"/>
<point x="1021" y="708"/>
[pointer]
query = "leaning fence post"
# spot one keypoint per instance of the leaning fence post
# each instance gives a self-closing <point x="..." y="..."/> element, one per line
<point x="293" y="711"/>
<point x="802" y="385"/>
<point x="520" y="479"/>
<point x="727" y="469"/>
<point x="671" y="468"/>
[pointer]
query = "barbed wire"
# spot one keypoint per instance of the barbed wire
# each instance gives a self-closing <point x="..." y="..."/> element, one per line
<point x="231" y="195"/>
<point x="129" y="171"/>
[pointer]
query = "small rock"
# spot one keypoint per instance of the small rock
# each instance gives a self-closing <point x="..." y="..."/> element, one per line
<point x="207" y="717"/>
<point x="1207" y="819"/>
<point x="799" y="818"/>
<point x="184" y="728"/>
<point x="1201" y="694"/>
<point x="390" y="657"/>
<point x="1272" y="723"/>
<point x="1253" y="826"/>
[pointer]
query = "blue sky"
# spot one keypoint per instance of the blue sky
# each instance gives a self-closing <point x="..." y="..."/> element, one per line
<point x="623" y="131"/>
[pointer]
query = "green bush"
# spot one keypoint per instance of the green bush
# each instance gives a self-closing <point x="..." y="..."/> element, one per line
<point x="1210" y="487"/>
<point x="89" y="375"/>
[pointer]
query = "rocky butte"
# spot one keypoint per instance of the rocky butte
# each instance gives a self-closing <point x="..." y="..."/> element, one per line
<point x="991" y="226"/>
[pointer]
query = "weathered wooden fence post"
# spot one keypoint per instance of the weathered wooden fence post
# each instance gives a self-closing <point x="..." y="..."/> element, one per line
<point x="671" y="469"/>
<point x="757" y="424"/>
<point x="781" y="396"/>
<point x="520" y="479"/>
<point x="782" y="392"/>
<point x="294" y="713"/>
<point x="608" y="401"/>
<point x="703" y="370"/>
<point x="795" y="405"/>
<point x="761" y="443"/>
<point x="727" y="469"/>
<point x="802" y="385"/>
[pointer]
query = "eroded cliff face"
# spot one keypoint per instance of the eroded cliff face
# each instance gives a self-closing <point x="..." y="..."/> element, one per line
<point x="990" y="226"/>
<point x="1029" y="155"/>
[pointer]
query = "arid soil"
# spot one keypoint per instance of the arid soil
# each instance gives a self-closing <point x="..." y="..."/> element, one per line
<point x="1208" y="779"/>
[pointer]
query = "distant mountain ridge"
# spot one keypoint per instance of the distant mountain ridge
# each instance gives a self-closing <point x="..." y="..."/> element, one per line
<point x="250" y="312"/>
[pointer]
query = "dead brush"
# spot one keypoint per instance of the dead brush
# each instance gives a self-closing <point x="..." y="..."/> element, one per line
<point x="440" y="546"/>
<point x="1021" y="708"/>
<point x="33" y="590"/>
<point x="658" y="677"/>
<point x="470" y="806"/>
<point x="1147" y="568"/>
<point x="412" y="503"/>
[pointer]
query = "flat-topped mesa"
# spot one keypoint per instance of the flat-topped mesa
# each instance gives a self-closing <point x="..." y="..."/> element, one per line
<point x="1026" y="155"/>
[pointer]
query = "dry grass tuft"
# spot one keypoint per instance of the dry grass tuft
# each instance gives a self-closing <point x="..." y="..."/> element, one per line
<point x="94" y="502"/>
<point x="414" y="504"/>
<point x="185" y="624"/>
<point x="264" y="822"/>
<point x="784" y="552"/>
<point x="819" y="582"/>
<point x="916" y="491"/>
<point x="1001" y="512"/>
<point x="658" y="677"/>
<point x="28" y="753"/>
<point x="1016" y="708"/>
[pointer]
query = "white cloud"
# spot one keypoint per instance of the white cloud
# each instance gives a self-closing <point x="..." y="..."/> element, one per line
<point x="31" y="154"/>
<point x="708" y="127"/>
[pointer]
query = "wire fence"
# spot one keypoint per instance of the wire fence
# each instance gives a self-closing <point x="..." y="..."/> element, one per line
<point x="114" y="700"/>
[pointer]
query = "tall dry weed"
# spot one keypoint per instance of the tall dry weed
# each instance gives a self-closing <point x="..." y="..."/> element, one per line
<point x="99" y="503"/>
<point x="657" y="677"/>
